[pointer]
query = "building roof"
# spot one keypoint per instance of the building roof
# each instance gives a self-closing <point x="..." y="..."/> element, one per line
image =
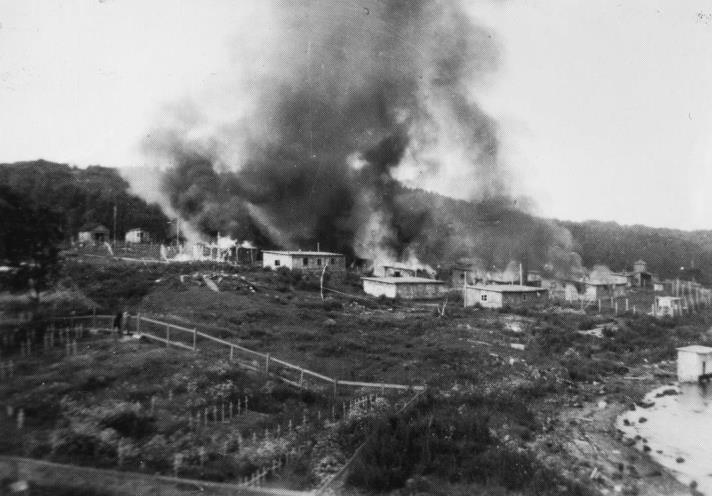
<point x="403" y="280"/>
<point x="304" y="253"/>
<point x="93" y="227"/>
<point x="696" y="348"/>
<point x="605" y="283"/>
<point x="136" y="229"/>
<point x="506" y="288"/>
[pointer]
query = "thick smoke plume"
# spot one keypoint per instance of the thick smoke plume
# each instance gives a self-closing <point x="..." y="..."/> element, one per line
<point x="340" y="101"/>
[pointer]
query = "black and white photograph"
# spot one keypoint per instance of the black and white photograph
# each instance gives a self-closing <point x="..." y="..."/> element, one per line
<point x="356" y="247"/>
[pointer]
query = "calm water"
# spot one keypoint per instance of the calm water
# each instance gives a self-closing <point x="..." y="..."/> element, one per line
<point x="675" y="427"/>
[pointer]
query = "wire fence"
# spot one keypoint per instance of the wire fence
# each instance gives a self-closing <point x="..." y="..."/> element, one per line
<point x="193" y="340"/>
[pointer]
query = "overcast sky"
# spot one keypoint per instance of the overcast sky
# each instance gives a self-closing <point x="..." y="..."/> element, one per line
<point x="604" y="106"/>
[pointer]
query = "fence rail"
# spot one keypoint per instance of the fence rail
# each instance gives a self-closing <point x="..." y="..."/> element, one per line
<point x="289" y="373"/>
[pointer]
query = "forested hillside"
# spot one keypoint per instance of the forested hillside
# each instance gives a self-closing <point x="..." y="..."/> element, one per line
<point x="667" y="251"/>
<point x="82" y="196"/>
<point x="512" y="235"/>
<point x="449" y="228"/>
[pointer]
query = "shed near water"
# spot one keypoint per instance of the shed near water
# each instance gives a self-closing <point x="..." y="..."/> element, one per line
<point x="694" y="363"/>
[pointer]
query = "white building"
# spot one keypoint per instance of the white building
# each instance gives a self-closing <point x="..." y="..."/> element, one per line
<point x="694" y="363"/>
<point x="407" y="288"/>
<point x="304" y="260"/>
<point x="137" y="235"/>
<point x="504" y="295"/>
<point x="667" y="306"/>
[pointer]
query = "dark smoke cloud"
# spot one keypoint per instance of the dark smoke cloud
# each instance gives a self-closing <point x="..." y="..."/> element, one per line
<point x="344" y="97"/>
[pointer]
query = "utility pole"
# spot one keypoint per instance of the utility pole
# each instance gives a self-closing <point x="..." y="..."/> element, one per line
<point x="114" y="223"/>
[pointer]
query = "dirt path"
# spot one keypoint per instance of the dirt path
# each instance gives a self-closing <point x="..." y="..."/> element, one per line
<point x="586" y="444"/>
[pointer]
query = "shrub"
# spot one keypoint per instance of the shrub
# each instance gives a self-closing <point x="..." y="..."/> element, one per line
<point x="72" y="447"/>
<point x="450" y="439"/>
<point x="129" y="424"/>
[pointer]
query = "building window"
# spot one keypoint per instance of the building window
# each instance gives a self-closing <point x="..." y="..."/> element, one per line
<point x="318" y="261"/>
<point x="396" y="274"/>
<point x="333" y="261"/>
<point x="305" y="261"/>
<point x="483" y="297"/>
<point x="524" y="297"/>
<point x="277" y="263"/>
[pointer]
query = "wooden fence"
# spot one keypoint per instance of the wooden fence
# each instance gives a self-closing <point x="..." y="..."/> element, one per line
<point x="189" y="338"/>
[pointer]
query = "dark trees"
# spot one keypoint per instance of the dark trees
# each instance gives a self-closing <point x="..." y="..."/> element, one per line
<point x="29" y="239"/>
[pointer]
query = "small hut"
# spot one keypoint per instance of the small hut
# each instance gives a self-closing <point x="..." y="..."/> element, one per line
<point x="93" y="233"/>
<point x="694" y="363"/>
<point x="504" y="295"/>
<point x="407" y="288"/>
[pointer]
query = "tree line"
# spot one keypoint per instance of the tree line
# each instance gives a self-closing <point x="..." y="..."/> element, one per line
<point x="83" y="197"/>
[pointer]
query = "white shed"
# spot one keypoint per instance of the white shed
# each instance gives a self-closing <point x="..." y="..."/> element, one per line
<point x="408" y="288"/>
<point x="137" y="235"/>
<point x="504" y="295"/>
<point x="667" y="306"/>
<point x="694" y="363"/>
<point x="304" y="260"/>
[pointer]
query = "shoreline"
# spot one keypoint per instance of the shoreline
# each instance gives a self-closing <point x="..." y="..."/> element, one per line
<point x="649" y="429"/>
<point x="586" y="444"/>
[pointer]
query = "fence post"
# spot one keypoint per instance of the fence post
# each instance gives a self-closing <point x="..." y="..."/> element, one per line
<point x="336" y="385"/>
<point x="138" y="323"/>
<point x="168" y="335"/>
<point x="93" y="317"/>
<point x="195" y="339"/>
<point x="267" y="364"/>
<point x="301" y="377"/>
<point x="232" y="353"/>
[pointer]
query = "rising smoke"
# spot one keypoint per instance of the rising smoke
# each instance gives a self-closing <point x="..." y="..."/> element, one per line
<point x="344" y="99"/>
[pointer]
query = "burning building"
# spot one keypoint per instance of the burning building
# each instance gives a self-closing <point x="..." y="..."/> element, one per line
<point x="401" y="269"/>
<point x="332" y="124"/>
<point x="225" y="249"/>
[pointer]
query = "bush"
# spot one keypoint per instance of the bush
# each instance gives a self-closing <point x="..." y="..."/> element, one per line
<point x="449" y="438"/>
<point x="81" y="449"/>
<point x="129" y="424"/>
<point x="587" y="370"/>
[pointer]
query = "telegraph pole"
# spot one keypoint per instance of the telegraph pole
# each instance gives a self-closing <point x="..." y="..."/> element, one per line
<point x="114" y="223"/>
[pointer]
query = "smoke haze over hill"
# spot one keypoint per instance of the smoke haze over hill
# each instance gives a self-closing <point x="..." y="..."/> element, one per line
<point x="334" y="106"/>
